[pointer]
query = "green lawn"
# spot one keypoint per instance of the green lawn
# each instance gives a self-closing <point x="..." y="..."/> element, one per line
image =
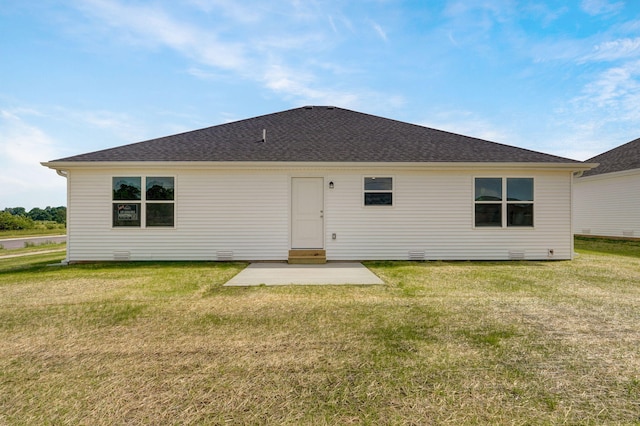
<point x="441" y="343"/>
<point x="56" y="229"/>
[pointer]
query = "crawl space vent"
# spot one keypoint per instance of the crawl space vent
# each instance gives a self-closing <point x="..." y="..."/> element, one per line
<point x="416" y="255"/>
<point x="224" y="255"/>
<point x="122" y="255"/>
<point x="516" y="255"/>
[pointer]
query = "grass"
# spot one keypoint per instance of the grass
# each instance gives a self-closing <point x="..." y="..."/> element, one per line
<point x="606" y="246"/>
<point x="40" y="230"/>
<point x="441" y="343"/>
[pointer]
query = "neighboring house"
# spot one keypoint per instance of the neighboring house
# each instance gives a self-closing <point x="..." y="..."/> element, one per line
<point x="349" y="185"/>
<point x="607" y="198"/>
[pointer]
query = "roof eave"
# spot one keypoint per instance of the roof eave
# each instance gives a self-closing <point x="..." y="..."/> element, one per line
<point x="609" y="175"/>
<point x="65" y="165"/>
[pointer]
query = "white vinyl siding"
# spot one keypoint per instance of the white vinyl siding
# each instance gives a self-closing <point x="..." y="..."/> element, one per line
<point x="214" y="212"/>
<point x="433" y="213"/>
<point x="608" y="205"/>
<point x="245" y="215"/>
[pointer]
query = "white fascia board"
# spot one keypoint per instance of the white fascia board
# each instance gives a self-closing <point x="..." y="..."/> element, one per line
<point x="610" y="175"/>
<point x="239" y="165"/>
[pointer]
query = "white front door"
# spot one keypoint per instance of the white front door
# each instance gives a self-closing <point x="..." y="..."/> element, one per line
<point x="307" y="213"/>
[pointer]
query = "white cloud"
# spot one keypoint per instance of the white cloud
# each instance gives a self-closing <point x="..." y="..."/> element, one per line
<point x="294" y="83"/>
<point x="544" y="13"/>
<point x="600" y="117"/>
<point x="203" y="74"/>
<point x="19" y="141"/>
<point x="469" y="124"/>
<point x="333" y="24"/>
<point x="615" y="93"/>
<point x="601" y="7"/>
<point x="24" y="182"/>
<point x="558" y="50"/>
<point x="152" y="25"/>
<point x="120" y="125"/>
<point x="378" y="29"/>
<point x="268" y="47"/>
<point x="233" y="9"/>
<point x="613" y="50"/>
<point x="339" y="21"/>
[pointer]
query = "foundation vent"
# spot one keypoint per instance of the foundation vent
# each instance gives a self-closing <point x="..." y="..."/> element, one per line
<point x="122" y="255"/>
<point x="416" y="255"/>
<point x="627" y="233"/>
<point x="586" y="231"/>
<point x="516" y="255"/>
<point x="224" y="255"/>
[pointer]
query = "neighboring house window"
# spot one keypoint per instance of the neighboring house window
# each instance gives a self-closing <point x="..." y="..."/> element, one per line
<point x="158" y="200"/>
<point x="493" y="208"/>
<point x="378" y="191"/>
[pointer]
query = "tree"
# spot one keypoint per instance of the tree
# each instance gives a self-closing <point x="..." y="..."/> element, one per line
<point x="60" y="215"/>
<point x="16" y="211"/>
<point x="49" y="214"/>
<point x="11" y="222"/>
<point x="37" y="213"/>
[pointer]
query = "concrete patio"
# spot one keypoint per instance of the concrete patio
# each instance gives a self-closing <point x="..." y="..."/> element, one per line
<point x="343" y="273"/>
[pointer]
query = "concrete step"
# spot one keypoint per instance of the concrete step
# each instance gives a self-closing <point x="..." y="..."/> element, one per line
<point x="306" y="260"/>
<point x="307" y="256"/>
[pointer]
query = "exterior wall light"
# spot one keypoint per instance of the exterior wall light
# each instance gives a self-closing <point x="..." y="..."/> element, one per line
<point x="331" y="185"/>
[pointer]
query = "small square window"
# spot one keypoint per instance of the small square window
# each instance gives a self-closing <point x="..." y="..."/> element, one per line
<point x="378" y="184"/>
<point x="126" y="214"/>
<point x="488" y="189"/>
<point x="378" y="199"/>
<point x="126" y="188"/>
<point x="159" y="214"/>
<point x="378" y="191"/>
<point x="488" y="214"/>
<point x="520" y="214"/>
<point x="520" y="189"/>
<point x="160" y="188"/>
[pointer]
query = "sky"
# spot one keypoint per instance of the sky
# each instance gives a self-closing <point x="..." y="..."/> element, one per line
<point x="561" y="77"/>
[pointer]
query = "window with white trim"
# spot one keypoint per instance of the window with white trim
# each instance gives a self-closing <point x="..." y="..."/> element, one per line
<point x="493" y="209"/>
<point x="378" y="191"/>
<point x="157" y="201"/>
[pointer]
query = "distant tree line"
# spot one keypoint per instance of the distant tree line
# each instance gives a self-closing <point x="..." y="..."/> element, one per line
<point x="15" y="218"/>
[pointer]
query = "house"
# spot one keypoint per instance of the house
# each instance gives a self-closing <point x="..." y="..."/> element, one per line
<point x="326" y="181"/>
<point x="607" y="198"/>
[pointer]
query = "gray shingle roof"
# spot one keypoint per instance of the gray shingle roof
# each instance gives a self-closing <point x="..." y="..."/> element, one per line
<point x="318" y="134"/>
<point x="624" y="157"/>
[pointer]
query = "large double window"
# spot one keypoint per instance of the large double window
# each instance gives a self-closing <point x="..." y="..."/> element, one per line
<point x="156" y="204"/>
<point x="503" y="202"/>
